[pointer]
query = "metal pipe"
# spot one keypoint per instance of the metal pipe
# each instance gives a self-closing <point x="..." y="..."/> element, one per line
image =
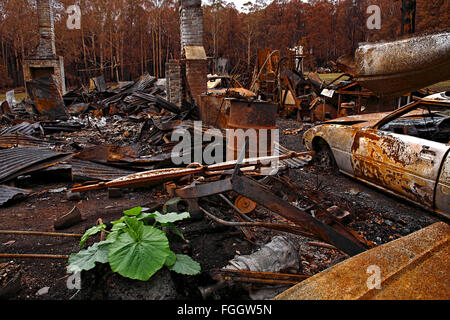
<point x="38" y="233"/>
<point x="32" y="256"/>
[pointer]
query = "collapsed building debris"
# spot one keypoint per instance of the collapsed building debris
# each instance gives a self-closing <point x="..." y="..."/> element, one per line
<point x="379" y="77"/>
<point x="107" y="143"/>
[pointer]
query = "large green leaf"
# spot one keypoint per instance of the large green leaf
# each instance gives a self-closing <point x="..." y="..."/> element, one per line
<point x="91" y="232"/>
<point x="139" y="252"/>
<point x="186" y="265"/>
<point x="86" y="259"/>
<point x="133" y="212"/>
<point x="170" y="217"/>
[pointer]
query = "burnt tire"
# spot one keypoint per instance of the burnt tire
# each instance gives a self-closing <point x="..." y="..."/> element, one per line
<point x="324" y="157"/>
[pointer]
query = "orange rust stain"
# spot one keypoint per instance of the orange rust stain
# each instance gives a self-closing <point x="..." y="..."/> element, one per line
<point x="363" y="135"/>
<point x="387" y="178"/>
<point x="45" y="104"/>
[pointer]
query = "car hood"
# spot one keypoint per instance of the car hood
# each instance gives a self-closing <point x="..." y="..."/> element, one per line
<point x="361" y="120"/>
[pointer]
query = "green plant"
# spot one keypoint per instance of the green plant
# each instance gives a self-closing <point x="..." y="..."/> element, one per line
<point x="134" y="248"/>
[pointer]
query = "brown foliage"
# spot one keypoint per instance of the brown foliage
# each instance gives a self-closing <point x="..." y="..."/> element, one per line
<point x="123" y="38"/>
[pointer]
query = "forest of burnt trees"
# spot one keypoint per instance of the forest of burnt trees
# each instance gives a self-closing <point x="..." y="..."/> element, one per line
<point x="121" y="39"/>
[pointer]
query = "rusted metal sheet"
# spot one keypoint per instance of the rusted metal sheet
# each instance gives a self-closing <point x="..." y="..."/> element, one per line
<point x="214" y="109"/>
<point x="14" y="161"/>
<point x="252" y="114"/>
<point x="48" y="99"/>
<point x="395" y="68"/>
<point x="251" y="117"/>
<point x="21" y="140"/>
<point x="88" y="170"/>
<point x="321" y="111"/>
<point x="107" y="153"/>
<point x="414" y="267"/>
<point x="8" y="193"/>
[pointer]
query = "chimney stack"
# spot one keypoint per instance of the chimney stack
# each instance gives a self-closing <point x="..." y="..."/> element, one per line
<point x="192" y="50"/>
<point x="46" y="47"/>
<point x="44" y="61"/>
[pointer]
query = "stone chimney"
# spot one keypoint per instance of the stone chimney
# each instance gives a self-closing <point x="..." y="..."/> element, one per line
<point x="44" y="61"/>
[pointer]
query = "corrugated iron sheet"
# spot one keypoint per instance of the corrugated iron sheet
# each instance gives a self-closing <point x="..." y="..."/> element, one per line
<point x="17" y="159"/>
<point x="8" y="193"/>
<point x="23" y="128"/>
<point x="88" y="170"/>
<point x="21" y="140"/>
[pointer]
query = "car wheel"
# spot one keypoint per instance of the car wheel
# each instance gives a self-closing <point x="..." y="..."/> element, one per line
<point x="324" y="156"/>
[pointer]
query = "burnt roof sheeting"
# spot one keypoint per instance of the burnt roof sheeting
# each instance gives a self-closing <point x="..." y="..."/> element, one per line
<point x="17" y="159"/>
<point x="21" y="140"/>
<point x="23" y="128"/>
<point x="88" y="170"/>
<point x="8" y="193"/>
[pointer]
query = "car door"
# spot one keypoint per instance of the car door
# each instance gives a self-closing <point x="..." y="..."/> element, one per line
<point x="442" y="198"/>
<point x="404" y="165"/>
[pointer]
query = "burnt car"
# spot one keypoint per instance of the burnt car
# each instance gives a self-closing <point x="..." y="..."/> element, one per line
<point x="405" y="153"/>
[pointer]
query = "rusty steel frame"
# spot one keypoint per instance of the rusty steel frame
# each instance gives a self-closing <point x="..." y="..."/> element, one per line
<point x="258" y="193"/>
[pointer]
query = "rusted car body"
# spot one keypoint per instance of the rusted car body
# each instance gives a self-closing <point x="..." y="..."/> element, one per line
<point x="405" y="152"/>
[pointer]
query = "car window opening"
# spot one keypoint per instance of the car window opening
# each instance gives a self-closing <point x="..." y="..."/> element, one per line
<point x="433" y="124"/>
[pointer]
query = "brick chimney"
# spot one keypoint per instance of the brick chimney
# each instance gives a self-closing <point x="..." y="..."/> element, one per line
<point x="191" y="15"/>
<point x="45" y="61"/>
<point x="46" y="47"/>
